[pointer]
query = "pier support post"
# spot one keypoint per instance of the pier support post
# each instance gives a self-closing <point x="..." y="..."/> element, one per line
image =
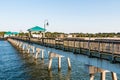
<point x="36" y="56"/>
<point x="50" y="74"/>
<point x="59" y="63"/>
<point x="54" y="55"/>
<point x="33" y="49"/>
<point x="49" y="54"/>
<point x="37" y="52"/>
<point x="114" y="76"/>
<point x="92" y="76"/>
<point x="69" y="64"/>
<point x="23" y="47"/>
<point x="28" y="48"/>
<point x="42" y="61"/>
<point x="42" y="54"/>
<point x="28" y="51"/>
<point x="103" y="75"/>
<point x="50" y="64"/>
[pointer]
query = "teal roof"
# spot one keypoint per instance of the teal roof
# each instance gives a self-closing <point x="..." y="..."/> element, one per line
<point x="37" y="28"/>
<point x="15" y="33"/>
<point x="8" y="33"/>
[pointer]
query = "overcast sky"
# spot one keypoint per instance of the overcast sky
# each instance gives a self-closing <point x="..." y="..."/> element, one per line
<point x="87" y="16"/>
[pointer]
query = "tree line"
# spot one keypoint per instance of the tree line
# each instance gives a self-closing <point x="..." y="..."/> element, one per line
<point x="2" y="33"/>
<point x="57" y="34"/>
<point x="96" y="34"/>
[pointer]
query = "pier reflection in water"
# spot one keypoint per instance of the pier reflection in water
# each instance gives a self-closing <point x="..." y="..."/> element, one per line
<point x="19" y="66"/>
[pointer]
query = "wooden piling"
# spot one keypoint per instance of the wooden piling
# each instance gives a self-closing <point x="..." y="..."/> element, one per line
<point x="114" y="76"/>
<point x="36" y="55"/>
<point x="103" y="75"/>
<point x="59" y="63"/>
<point x="28" y="50"/>
<point x="69" y="64"/>
<point x="92" y="76"/>
<point x="33" y="49"/>
<point x="42" y="54"/>
<point x="50" y="64"/>
<point x="37" y="52"/>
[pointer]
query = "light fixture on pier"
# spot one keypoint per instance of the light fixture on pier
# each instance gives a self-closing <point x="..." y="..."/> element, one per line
<point x="45" y="24"/>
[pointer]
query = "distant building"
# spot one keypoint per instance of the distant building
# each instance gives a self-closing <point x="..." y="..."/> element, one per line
<point x="37" y="35"/>
<point x="74" y="35"/>
<point x="70" y="35"/>
<point x="61" y="36"/>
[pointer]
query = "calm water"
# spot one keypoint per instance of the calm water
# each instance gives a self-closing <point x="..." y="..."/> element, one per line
<point x="18" y="66"/>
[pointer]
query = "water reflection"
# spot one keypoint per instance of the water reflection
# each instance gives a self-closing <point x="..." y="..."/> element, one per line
<point x="37" y="61"/>
<point x="61" y="76"/>
<point x="38" y="69"/>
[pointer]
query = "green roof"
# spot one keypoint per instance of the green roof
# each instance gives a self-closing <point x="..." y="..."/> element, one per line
<point x="36" y="29"/>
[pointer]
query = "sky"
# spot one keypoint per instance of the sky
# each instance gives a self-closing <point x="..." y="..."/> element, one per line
<point x="69" y="16"/>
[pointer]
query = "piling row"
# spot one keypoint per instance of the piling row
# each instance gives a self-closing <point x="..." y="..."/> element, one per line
<point x="27" y="48"/>
<point x="30" y="49"/>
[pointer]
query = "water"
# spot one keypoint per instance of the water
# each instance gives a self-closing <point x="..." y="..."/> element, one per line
<point x="18" y="66"/>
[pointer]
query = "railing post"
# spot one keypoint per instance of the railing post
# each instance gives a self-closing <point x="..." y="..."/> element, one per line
<point x="112" y="52"/>
<point x="99" y="48"/>
<point x="83" y="44"/>
<point x="89" y="48"/>
<point x="63" y="44"/>
<point x="74" y="46"/>
<point x="79" y="46"/>
<point x="68" y="45"/>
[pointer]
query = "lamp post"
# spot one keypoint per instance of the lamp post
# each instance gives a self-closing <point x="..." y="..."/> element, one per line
<point x="45" y="24"/>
